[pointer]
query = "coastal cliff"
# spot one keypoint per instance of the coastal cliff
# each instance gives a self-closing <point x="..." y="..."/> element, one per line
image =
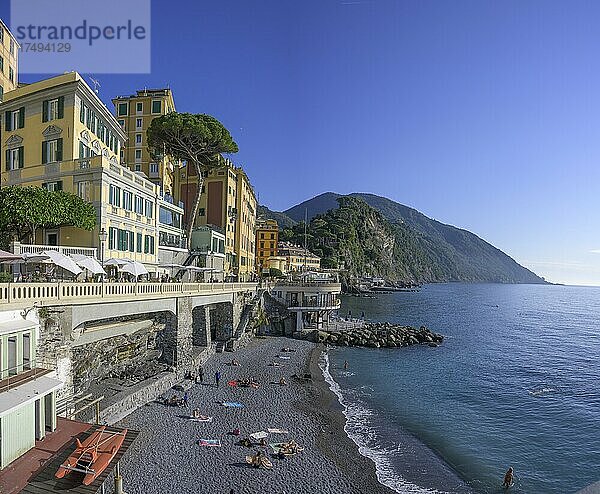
<point x="367" y="235"/>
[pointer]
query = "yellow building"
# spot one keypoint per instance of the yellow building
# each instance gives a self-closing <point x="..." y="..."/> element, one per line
<point x="298" y="259"/>
<point x="135" y="114"/>
<point x="245" y="227"/>
<point x="9" y="58"/>
<point x="267" y="237"/>
<point x="58" y="134"/>
<point x="227" y="202"/>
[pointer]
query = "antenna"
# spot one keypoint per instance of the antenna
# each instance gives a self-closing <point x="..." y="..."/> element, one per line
<point x="96" y="84"/>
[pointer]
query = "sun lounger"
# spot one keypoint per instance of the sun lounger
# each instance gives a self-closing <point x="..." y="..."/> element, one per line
<point x="259" y="435"/>
<point x="282" y="357"/>
<point x="202" y="418"/>
<point x="212" y="443"/>
<point x="277" y="431"/>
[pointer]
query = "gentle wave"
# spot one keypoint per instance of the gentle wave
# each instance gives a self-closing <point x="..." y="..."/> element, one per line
<point x="358" y="430"/>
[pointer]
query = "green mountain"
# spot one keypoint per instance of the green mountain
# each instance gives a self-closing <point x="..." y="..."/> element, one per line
<point x="373" y="235"/>
<point x="283" y="220"/>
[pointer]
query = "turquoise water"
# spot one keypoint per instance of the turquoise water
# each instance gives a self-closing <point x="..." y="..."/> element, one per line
<point x="515" y="383"/>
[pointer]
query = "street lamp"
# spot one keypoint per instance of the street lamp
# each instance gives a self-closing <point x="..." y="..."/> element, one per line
<point x="102" y="235"/>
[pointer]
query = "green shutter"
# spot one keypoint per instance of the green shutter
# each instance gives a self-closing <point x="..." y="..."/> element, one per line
<point x="132" y="242"/>
<point x="82" y="113"/>
<point x="59" y="149"/>
<point x="21" y="117"/>
<point x="61" y="106"/>
<point x="7" y="121"/>
<point x="7" y="160"/>
<point x="45" y="105"/>
<point x="21" y="157"/>
<point x="44" y="152"/>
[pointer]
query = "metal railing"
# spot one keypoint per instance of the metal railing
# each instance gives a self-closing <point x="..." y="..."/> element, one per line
<point x="86" y="293"/>
<point x="25" y="372"/>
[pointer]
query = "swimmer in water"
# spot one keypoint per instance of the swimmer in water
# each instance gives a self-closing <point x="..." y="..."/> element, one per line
<point x="345" y="365"/>
<point x="508" y="478"/>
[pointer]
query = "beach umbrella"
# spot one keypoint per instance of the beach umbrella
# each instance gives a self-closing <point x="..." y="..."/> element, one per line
<point x="116" y="262"/>
<point x="9" y="257"/>
<point x="62" y="261"/>
<point x="89" y="263"/>
<point x="135" y="268"/>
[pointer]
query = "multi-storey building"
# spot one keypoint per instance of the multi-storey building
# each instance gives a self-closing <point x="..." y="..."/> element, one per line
<point x="227" y="202"/>
<point x="245" y="248"/>
<point x="135" y="114"/>
<point x="57" y="134"/>
<point x="9" y="58"/>
<point x="267" y="237"/>
<point x="298" y="258"/>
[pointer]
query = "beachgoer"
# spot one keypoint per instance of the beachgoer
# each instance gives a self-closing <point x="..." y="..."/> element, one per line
<point x="186" y="398"/>
<point x="282" y="382"/>
<point x="217" y="378"/>
<point x="196" y="413"/>
<point x="345" y="364"/>
<point x="362" y="315"/>
<point x="200" y="374"/>
<point x="508" y="478"/>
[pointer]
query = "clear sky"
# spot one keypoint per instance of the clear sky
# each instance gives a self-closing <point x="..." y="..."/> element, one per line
<point x="481" y="114"/>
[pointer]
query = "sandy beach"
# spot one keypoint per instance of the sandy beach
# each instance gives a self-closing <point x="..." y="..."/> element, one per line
<point x="166" y="457"/>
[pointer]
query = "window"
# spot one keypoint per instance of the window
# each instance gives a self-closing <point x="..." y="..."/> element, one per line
<point x="139" y="107"/>
<point x="139" y="242"/>
<point x="84" y="151"/>
<point x="149" y="209"/>
<point x="138" y="154"/>
<point x="52" y="186"/>
<point x="11" y="74"/>
<point x="138" y="138"/>
<point x="12" y="46"/>
<point x="112" y="237"/>
<point x="139" y="205"/>
<point x="201" y="212"/>
<point x="138" y="167"/>
<point x="121" y="123"/>
<point x="272" y="236"/>
<point x="148" y="244"/>
<point x="14" y="158"/>
<point x="262" y="245"/>
<point x="114" y="195"/>
<point x="131" y="241"/>
<point x="84" y="190"/>
<point x="1" y="93"/>
<point x="2" y="65"/>
<point x="52" y="151"/>
<point x="14" y="119"/>
<point x="156" y="106"/>
<point x="122" y="109"/>
<point x="138" y="123"/>
<point x="53" y="109"/>
<point x="154" y="168"/>
<point x="128" y="200"/>
<point x="1" y="35"/>
<point x="262" y="236"/>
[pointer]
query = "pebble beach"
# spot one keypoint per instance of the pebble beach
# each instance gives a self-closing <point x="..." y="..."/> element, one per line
<point x="166" y="457"/>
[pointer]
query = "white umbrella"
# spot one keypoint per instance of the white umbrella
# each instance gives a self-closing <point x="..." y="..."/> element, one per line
<point x="135" y="268"/>
<point x="171" y="266"/>
<point x="9" y="257"/>
<point x="89" y="263"/>
<point x="116" y="262"/>
<point x="62" y="261"/>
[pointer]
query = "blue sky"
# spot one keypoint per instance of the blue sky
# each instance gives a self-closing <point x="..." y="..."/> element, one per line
<point x="484" y="115"/>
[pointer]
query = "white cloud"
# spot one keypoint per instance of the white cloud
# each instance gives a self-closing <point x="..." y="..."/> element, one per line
<point x="595" y="251"/>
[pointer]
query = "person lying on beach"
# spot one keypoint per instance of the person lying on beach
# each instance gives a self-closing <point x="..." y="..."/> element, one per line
<point x="287" y="349"/>
<point x="196" y="413"/>
<point x="262" y="443"/>
<point x="275" y="364"/>
<point x="282" y="382"/>
<point x="508" y="478"/>
<point x="235" y="363"/>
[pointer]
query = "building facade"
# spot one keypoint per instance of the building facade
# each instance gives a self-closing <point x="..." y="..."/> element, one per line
<point x="298" y="259"/>
<point x="267" y="238"/>
<point x="57" y="134"/>
<point x="228" y="203"/>
<point x="135" y="114"/>
<point x="9" y="60"/>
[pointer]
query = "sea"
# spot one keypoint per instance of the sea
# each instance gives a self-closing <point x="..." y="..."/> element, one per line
<point x="516" y="382"/>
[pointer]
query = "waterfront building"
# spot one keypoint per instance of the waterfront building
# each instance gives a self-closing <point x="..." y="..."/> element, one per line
<point x="135" y="114"/>
<point x="298" y="258"/>
<point x="27" y="390"/>
<point x="208" y="244"/>
<point x="267" y="237"/>
<point x="9" y="59"/>
<point x="171" y="240"/>
<point x="58" y="134"/>
<point x="227" y="202"/>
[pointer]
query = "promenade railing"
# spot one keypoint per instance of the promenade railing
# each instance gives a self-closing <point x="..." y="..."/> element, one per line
<point x="86" y="293"/>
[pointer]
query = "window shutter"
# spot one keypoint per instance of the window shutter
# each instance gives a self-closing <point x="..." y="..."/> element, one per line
<point x="21" y="117"/>
<point x="44" y="152"/>
<point x="59" y="149"/>
<point x="61" y="106"/>
<point x="59" y="185"/>
<point x="7" y="121"/>
<point x="45" y="111"/>
<point x="7" y="160"/>
<point x="82" y="113"/>
<point x="21" y="156"/>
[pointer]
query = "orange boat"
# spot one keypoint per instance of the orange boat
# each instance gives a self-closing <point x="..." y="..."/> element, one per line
<point x="93" y="455"/>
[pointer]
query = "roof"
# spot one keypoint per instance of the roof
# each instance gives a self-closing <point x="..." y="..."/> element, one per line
<point x="27" y="393"/>
<point x="17" y="325"/>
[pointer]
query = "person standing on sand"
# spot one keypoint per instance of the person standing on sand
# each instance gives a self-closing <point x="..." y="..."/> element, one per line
<point x="200" y="375"/>
<point x="217" y="378"/>
<point x="508" y="478"/>
<point x="186" y="399"/>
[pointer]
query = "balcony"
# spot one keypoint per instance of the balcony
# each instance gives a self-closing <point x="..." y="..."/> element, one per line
<point x="36" y="249"/>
